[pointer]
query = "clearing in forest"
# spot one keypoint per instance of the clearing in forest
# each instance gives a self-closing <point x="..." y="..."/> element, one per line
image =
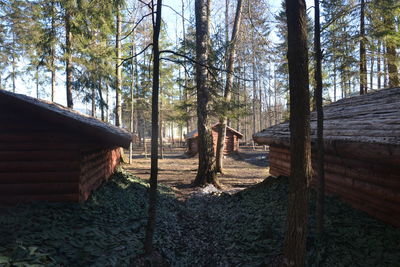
<point x="246" y="168"/>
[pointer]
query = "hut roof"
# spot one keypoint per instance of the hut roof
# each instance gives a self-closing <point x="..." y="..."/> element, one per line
<point x="370" y="118"/>
<point x="74" y="120"/>
<point x="194" y="133"/>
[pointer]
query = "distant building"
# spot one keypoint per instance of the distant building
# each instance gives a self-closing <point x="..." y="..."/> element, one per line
<point x="231" y="140"/>
<point x="50" y="152"/>
<point x="362" y="151"/>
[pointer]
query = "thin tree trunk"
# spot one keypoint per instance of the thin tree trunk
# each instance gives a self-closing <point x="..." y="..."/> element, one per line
<point x="151" y="222"/>
<point x="68" y="50"/>
<point x="228" y="86"/>
<point x="118" y="74"/>
<point x="37" y="81"/>
<point x="107" y="102"/>
<point x="206" y="173"/>
<point x="53" y="51"/>
<point x="13" y="63"/>
<point x="378" y="64"/>
<point x="334" y="80"/>
<point x="186" y="94"/>
<point x="161" y="130"/>
<point x="300" y="144"/>
<point x="102" y="103"/>
<point x="371" y="76"/>
<point x="132" y="97"/>
<point x="363" y="56"/>
<point x="385" y="68"/>
<point x="93" y="102"/>
<point x="320" y="208"/>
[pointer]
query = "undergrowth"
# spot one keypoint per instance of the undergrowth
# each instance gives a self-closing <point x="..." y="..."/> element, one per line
<point x="245" y="229"/>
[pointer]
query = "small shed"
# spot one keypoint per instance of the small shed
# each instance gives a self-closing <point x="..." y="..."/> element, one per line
<point x="231" y="140"/>
<point x="362" y="151"/>
<point x="53" y="153"/>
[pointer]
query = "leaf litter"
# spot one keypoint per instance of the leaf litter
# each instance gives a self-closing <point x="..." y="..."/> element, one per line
<point x="210" y="228"/>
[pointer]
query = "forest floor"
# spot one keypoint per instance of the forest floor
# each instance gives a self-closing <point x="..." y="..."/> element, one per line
<point x="247" y="167"/>
<point x="245" y="228"/>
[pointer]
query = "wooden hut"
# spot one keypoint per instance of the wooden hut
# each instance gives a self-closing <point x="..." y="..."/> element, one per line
<point x="362" y="151"/>
<point x="231" y="140"/>
<point x="49" y="152"/>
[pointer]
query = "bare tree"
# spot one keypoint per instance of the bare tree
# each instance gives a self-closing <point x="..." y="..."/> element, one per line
<point x="118" y="74"/>
<point x="151" y="222"/>
<point x="68" y="50"/>
<point x="363" y="53"/>
<point x="320" y="119"/>
<point x="300" y="145"/>
<point x="228" y="86"/>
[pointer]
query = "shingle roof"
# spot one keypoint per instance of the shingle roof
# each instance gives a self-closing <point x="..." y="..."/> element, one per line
<point x="74" y="120"/>
<point x="370" y="118"/>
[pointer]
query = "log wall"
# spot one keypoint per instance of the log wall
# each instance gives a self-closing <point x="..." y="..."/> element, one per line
<point x="42" y="161"/>
<point x="368" y="183"/>
<point x="37" y="162"/>
<point x="96" y="166"/>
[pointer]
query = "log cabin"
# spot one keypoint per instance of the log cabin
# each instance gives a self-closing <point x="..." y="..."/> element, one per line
<point x="53" y="153"/>
<point x="231" y="140"/>
<point x="362" y="151"/>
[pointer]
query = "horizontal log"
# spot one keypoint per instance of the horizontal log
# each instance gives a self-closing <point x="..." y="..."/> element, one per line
<point x="38" y="189"/>
<point x="29" y="146"/>
<point x="47" y="136"/>
<point x="38" y="177"/>
<point x="357" y="196"/>
<point x="38" y="166"/>
<point x="39" y="155"/>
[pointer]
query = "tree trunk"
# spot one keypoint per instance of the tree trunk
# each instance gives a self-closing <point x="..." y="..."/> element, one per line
<point x="385" y="68"/>
<point x="151" y="222"/>
<point x="363" y="56"/>
<point x="334" y="80"/>
<point x="371" y="76"/>
<point x="185" y="89"/>
<point x="93" y="102"/>
<point x="320" y="121"/>
<point x="37" y="81"/>
<point x="53" y="51"/>
<point x="102" y="103"/>
<point x="131" y="123"/>
<point x="161" y="130"/>
<point x="206" y="173"/>
<point x="118" y="74"/>
<point x="228" y="86"/>
<point x="13" y="63"/>
<point x="68" y="50"/>
<point x="378" y="64"/>
<point x="300" y="145"/>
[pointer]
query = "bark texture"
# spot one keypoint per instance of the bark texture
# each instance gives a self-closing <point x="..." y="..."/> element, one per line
<point x="300" y="146"/>
<point x="206" y="172"/>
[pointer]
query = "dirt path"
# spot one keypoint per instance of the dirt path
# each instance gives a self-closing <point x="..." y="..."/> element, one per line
<point x="176" y="170"/>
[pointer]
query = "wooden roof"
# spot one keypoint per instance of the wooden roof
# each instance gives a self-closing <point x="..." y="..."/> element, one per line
<point x="194" y="133"/>
<point x="370" y="118"/>
<point x="106" y="133"/>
